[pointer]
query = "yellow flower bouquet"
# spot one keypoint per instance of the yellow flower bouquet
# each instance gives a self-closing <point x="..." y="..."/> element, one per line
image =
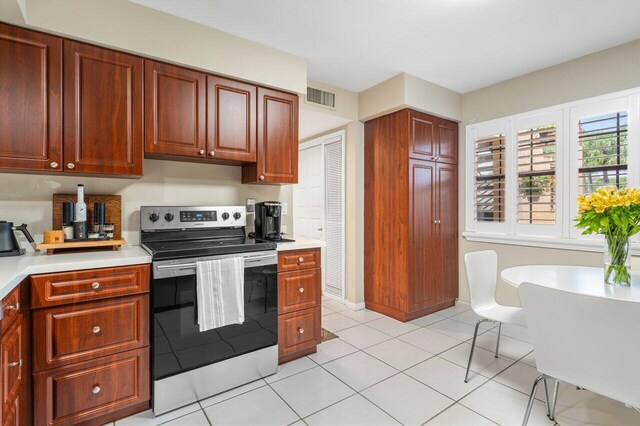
<point x="614" y="213"/>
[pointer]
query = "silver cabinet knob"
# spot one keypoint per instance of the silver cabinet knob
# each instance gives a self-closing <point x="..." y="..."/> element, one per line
<point x="15" y="307"/>
<point x="96" y="330"/>
<point x="201" y="152"/>
<point x="71" y="166"/>
<point x="300" y="259"/>
<point x="301" y="289"/>
<point x="212" y="153"/>
<point x="54" y="165"/>
<point x="95" y="285"/>
<point x="261" y="177"/>
<point x="96" y="390"/>
<point x="301" y="330"/>
<point x="15" y="364"/>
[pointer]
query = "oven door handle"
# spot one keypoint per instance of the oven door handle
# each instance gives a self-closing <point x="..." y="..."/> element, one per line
<point x="193" y="264"/>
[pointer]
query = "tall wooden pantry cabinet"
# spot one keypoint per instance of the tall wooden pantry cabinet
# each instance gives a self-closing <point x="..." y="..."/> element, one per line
<point x="411" y="214"/>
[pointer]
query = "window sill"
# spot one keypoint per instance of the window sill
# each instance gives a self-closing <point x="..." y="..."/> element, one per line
<point x="561" y="243"/>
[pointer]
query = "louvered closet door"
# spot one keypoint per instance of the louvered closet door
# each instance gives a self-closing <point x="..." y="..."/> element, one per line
<point x="334" y="214"/>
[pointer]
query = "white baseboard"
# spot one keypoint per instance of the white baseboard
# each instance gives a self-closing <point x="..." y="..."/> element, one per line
<point x="350" y="305"/>
<point x="462" y="302"/>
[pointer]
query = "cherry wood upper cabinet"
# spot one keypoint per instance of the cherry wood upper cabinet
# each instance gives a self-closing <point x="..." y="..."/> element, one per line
<point x="102" y="111"/>
<point x="175" y="110"/>
<point x="277" y="160"/>
<point x="432" y="138"/>
<point x="231" y="120"/>
<point x="30" y="100"/>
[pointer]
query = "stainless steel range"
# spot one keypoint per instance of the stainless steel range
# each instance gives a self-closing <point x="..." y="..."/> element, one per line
<point x="189" y="365"/>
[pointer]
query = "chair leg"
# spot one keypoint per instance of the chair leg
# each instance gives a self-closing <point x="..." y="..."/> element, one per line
<point x="498" y="342"/>
<point x="473" y="346"/>
<point x="547" y="402"/>
<point x="532" y="397"/>
<point x="554" y="400"/>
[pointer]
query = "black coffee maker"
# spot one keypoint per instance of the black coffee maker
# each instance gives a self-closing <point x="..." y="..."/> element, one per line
<point x="267" y="221"/>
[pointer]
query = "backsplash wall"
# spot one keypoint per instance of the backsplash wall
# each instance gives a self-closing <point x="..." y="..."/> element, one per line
<point x="26" y="198"/>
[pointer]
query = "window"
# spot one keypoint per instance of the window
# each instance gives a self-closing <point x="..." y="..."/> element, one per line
<point x="602" y="152"/>
<point x="537" y="175"/>
<point x="524" y="172"/>
<point x="490" y="158"/>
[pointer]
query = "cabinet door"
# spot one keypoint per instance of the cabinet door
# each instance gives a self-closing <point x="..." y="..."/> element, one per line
<point x="447" y="134"/>
<point x="30" y="100"/>
<point x="424" y="269"/>
<point x="231" y="120"/>
<point x="277" y="160"/>
<point x="13" y="365"/>
<point x="447" y="216"/>
<point x="102" y="111"/>
<point x="175" y="110"/>
<point x="422" y="136"/>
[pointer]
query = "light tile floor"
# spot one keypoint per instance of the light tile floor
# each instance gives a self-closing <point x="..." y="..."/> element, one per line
<point x="383" y="372"/>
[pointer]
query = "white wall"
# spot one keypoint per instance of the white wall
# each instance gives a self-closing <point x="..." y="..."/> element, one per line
<point x="603" y="72"/>
<point x="27" y="198"/>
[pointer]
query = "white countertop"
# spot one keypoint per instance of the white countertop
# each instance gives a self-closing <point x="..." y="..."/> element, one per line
<point x="300" y="244"/>
<point x="16" y="268"/>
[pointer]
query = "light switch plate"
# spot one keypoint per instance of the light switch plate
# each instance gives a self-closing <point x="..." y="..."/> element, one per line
<point x="251" y="205"/>
<point x="284" y="208"/>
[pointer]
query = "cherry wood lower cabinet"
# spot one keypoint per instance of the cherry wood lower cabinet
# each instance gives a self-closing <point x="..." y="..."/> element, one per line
<point x="15" y="365"/>
<point x="299" y="297"/>
<point x="411" y="214"/>
<point x="91" y="345"/>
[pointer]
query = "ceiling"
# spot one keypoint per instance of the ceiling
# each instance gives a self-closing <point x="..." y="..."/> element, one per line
<point x="313" y="122"/>
<point x="459" y="44"/>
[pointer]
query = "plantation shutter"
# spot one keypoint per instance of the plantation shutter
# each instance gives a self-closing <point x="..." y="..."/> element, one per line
<point x="489" y="167"/>
<point x="536" y="175"/>
<point x="602" y="152"/>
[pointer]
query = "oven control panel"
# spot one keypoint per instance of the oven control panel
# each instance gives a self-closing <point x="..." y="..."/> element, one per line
<point x="154" y="218"/>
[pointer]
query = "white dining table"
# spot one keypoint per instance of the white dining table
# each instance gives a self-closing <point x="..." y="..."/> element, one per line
<point x="577" y="279"/>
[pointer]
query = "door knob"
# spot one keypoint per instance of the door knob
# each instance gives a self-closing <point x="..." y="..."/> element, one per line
<point x="96" y="390"/>
<point x="212" y="153"/>
<point x="95" y="285"/>
<point x="201" y="152"/>
<point x="319" y="229"/>
<point x="54" y="165"/>
<point x="71" y="166"/>
<point x="96" y="330"/>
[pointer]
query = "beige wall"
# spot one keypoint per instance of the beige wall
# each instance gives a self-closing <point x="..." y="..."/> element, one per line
<point x="603" y="72"/>
<point x="129" y="26"/>
<point x="27" y="198"/>
<point x="405" y="90"/>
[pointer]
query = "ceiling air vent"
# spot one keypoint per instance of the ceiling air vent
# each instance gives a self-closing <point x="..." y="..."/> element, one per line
<point x="321" y="97"/>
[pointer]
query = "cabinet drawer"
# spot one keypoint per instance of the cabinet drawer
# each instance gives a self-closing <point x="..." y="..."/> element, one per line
<point x="75" y="333"/>
<point x="298" y="331"/>
<point x="298" y="259"/>
<point x="298" y="290"/>
<point x="80" y="392"/>
<point x="91" y="284"/>
<point x="11" y="307"/>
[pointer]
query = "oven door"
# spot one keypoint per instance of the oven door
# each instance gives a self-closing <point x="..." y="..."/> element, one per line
<point x="179" y="346"/>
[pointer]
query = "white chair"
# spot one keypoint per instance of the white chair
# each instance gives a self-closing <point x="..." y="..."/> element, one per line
<point x="482" y="274"/>
<point x="589" y="342"/>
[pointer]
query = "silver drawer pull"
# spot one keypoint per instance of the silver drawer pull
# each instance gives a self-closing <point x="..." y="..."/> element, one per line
<point x="301" y="259"/>
<point x="15" y="364"/>
<point x="96" y="390"/>
<point x="212" y="153"/>
<point x="301" y="289"/>
<point x="261" y="177"/>
<point x="96" y="330"/>
<point x="15" y="307"/>
<point x="301" y="330"/>
<point x="95" y="285"/>
<point x="54" y="165"/>
<point x="71" y="166"/>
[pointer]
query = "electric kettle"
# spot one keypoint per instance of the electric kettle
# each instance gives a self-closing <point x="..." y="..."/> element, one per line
<point x="9" y="245"/>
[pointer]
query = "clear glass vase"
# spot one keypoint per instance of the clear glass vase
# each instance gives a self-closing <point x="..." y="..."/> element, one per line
<point x="617" y="261"/>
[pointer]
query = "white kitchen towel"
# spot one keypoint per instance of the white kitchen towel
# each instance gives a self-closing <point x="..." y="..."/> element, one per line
<point x="220" y="288"/>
